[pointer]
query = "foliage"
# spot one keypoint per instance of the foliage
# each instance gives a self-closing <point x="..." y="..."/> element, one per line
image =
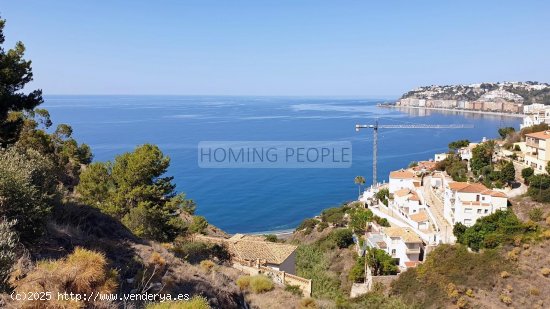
<point x="294" y="289"/>
<point x="195" y="252"/>
<point x="359" y="181"/>
<point x="535" y="128"/>
<point x="507" y="173"/>
<point x="413" y="164"/>
<point x="343" y="238"/>
<point x="454" y="166"/>
<point x="491" y="231"/>
<point x="503" y="132"/>
<point x="381" y="221"/>
<point x="133" y="190"/>
<point x="271" y="238"/>
<point x="334" y="215"/>
<point x="307" y="225"/>
<point x="482" y="156"/>
<point x="536" y="214"/>
<point x="198" y="225"/>
<point x="260" y="284"/>
<point x="383" y="195"/>
<point x="27" y="188"/>
<point x="539" y="188"/>
<point x="380" y="262"/>
<point x="243" y="282"/>
<point x="379" y="301"/>
<point x="426" y="285"/>
<point x="322" y="226"/>
<point x="458" y="230"/>
<point x="359" y="218"/>
<point x="8" y="244"/>
<point x="82" y="272"/>
<point x="15" y="74"/>
<point x="458" y="144"/>
<point x="357" y="272"/>
<point x="196" y="302"/>
<point x="207" y="265"/>
<point x="527" y="172"/>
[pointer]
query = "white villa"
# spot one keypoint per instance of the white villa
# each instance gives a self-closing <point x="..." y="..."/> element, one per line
<point x="440" y="156"/>
<point x="403" y="244"/>
<point x="466" y="202"/>
<point x="536" y="150"/>
<point x="535" y="114"/>
<point x="465" y="153"/>
<point x="403" y="179"/>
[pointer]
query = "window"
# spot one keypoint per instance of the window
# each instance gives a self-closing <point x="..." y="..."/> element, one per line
<point x="483" y="198"/>
<point x="486" y="211"/>
<point x="468" y="222"/>
<point x="467" y="210"/>
<point x="479" y="211"/>
<point x="393" y="252"/>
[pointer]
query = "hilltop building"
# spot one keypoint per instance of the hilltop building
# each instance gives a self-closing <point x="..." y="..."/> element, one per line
<point x="403" y="179"/>
<point x="402" y="244"/>
<point x="537" y="152"/>
<point x="466" y="202"/>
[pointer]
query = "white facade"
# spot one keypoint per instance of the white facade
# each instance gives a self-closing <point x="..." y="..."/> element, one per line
<point x="466" y="202"/>
<point x="402" y="244"/>
<point x="402" y="180"/>
<point x="529" y="109"/>
<point x="440" y="157"/>
<point x="465" y="153"/>
<point x="537" y="117"/>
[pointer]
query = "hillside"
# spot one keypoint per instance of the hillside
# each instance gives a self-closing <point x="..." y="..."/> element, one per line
<point x="519" y="92"/>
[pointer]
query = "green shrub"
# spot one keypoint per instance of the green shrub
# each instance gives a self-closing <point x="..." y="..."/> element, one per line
<point x="196" y="302"/>
<point x="322" y="226"/>
<point x="260" y="284"/>
<point x="536" y="214"/>
<point x="207" y="265"/>
<point x="294" y="289"/>
<point x="491" y="231"/>
<point x="27" y="188"/>
<point x="359" y="218"/>
<point x="307" y="225"/>
<point x="312" y="263"/>
<point x="527" y="172"/>
<point x="271" y="238"/>
<point x="8" y="244"/>
<point x="357" y="272"/>
<point x="198" y="225"/>
<point x="343" y="238"/>
<point x="195" y="252"/>
<point x="334" y="215"/>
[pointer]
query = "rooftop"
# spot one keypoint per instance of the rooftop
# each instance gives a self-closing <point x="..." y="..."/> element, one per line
<point x="540" y="135"/>
<point x="252" y="248"/>
<point x="402" y="174"/>
<point x="421" y="216"/>
<point x="408" y="235"/>
<point x="467" y="187"/>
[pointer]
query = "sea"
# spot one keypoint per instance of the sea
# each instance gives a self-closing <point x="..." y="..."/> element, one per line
<point x="258" y="200"/>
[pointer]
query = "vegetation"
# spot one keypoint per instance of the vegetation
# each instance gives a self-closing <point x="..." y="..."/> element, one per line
<point x="359" y="218"/>
<point x="307" y="225"/>
<point x="82" y="272"/>
<point x="133" y="190"/>
<point x="533" y="129"/>
<point x="195" y="252"/>
<point x="357" y="272"/>
<point x="501" y="227"/>
<point x="482" y="155"/>
<point x="271" y="238"/>
<point x="343" y="238"/>
<point x="260" y="284"/>
<point x="539" y="188"/>
<point x="380" y="262"/>
<point x="507" y="173"/>
<point x="334" y="215"/>
<point x="504" y="132"/>
<point x="359" y="181"/>
<point x="8" y="244"/>
<point x="453" y="146"/>
<point x="526" y="173"/>
<point x="446" y="271"/>
<point x="196" y="302"/>
<point x="383" y="195"/>
<point x="15" y="74"/>
<point x="454" y="166"/>
<point x="198" y="225"/>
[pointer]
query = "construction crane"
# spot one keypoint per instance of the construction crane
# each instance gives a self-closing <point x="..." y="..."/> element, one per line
<point x="376" y="126"/>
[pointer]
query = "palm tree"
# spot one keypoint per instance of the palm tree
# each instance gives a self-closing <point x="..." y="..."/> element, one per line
<point x="359" y="180"/>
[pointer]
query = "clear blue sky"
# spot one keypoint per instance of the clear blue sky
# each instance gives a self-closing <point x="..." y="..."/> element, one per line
<point x="278" y="47"/>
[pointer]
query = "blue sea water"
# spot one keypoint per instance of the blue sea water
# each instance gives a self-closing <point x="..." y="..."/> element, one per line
<point x="256" y="200"/>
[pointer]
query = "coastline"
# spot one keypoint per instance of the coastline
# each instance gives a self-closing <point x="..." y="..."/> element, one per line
<point x="455" y="110"/>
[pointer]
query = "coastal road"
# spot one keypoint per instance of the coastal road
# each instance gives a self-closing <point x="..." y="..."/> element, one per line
<point x="436" y="207"/>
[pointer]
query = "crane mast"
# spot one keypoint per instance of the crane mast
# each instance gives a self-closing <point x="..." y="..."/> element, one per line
<point x="376" y="126"/>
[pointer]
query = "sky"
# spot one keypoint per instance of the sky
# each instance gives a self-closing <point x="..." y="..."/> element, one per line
<point x="277" y="47"/>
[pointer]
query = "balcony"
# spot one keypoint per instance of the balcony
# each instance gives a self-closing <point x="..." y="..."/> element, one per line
<point x="532" y="143"/>
<point x="413" y="251"/>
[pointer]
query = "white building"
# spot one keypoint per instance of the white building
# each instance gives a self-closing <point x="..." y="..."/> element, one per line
<point x="537" y="152"/>
<point x="403" y="179"/>
<point x="465" y="153"/>
<point x="537" y="117"/>
<point x="402" y="244"/>
<point x="466" y="202"/>
<point x="529" y="109"/>
<point x="440" y="156"/>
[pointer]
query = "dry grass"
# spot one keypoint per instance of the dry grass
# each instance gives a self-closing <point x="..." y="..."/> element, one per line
<point x="243" y="282"/>
<point x="82" y="272"/>
<point x="307" y="303"/>
<point x="207" y="265"/>
<point x="196" y="302"/>
<point x="260" y="284"/>
<point x="545" y="271"/>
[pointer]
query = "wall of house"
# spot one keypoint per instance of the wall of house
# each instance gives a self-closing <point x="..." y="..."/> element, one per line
<point x="398" y="184"/>
<point x="289" y="265"/>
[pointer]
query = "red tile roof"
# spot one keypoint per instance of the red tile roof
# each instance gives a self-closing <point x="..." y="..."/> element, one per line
<point x="539" y="135"/>
<point x="401" y="175"/>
